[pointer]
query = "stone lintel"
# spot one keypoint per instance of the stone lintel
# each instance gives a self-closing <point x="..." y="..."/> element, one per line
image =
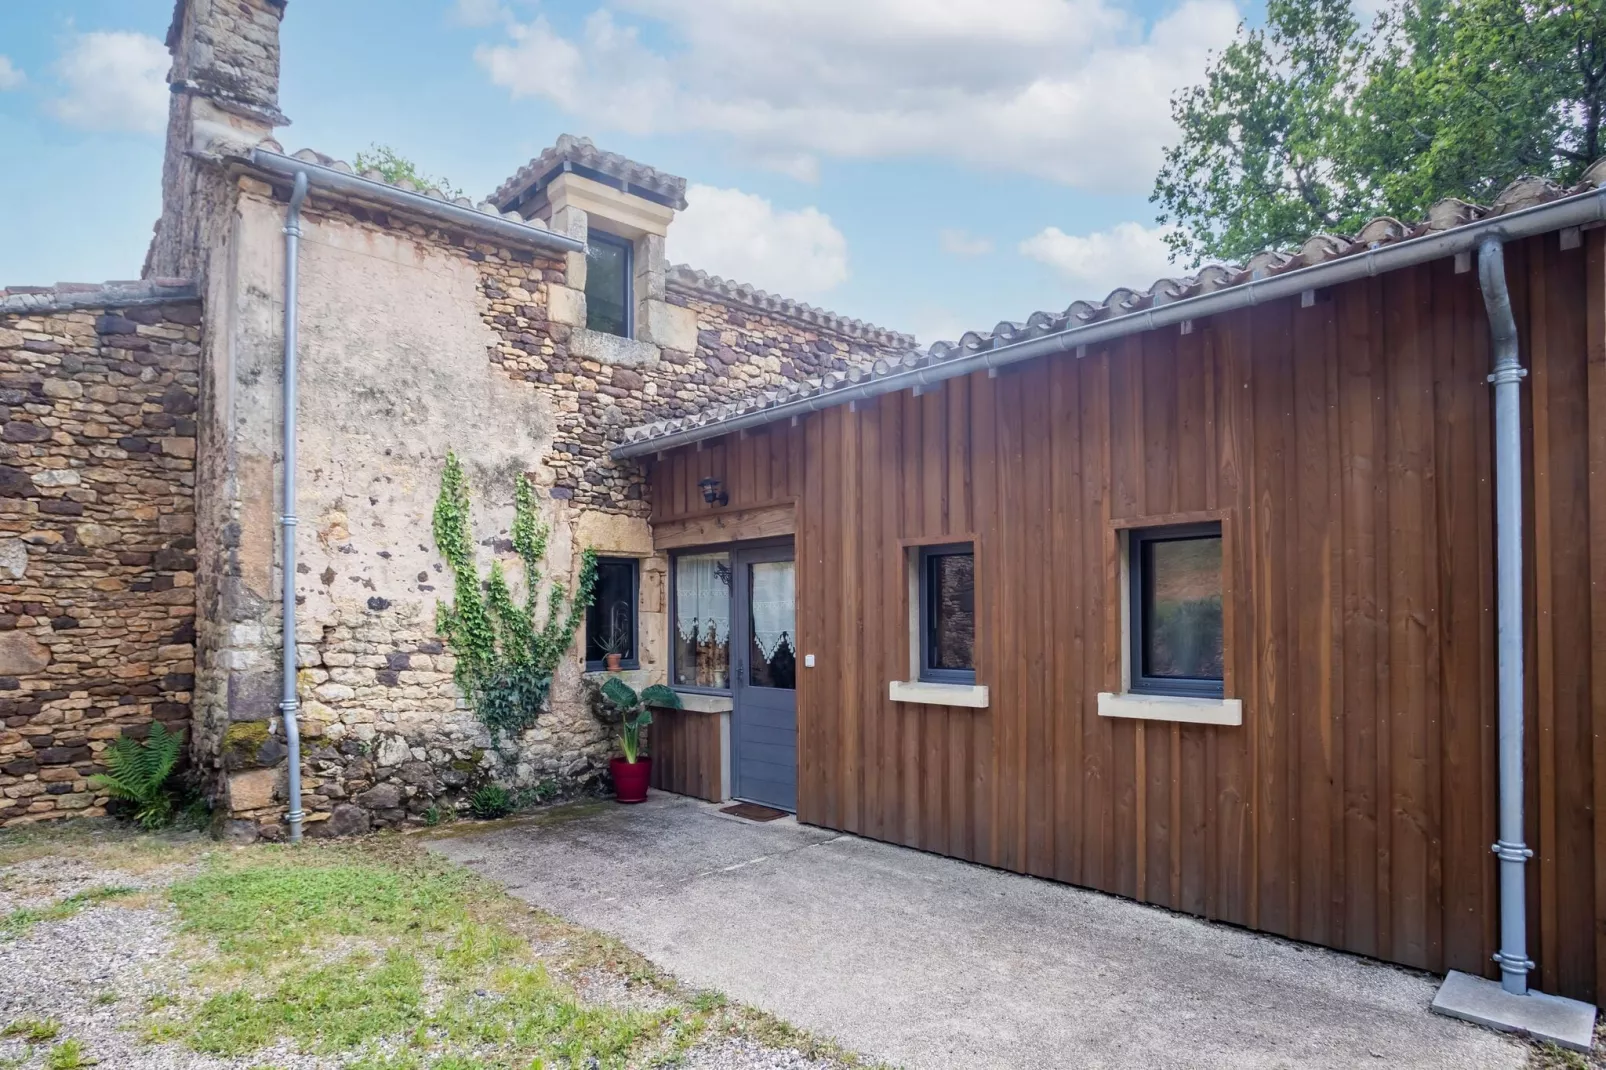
<point x="619" y="212"/>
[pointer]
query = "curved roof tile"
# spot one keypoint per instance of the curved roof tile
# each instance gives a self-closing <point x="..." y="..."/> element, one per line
<point x="1444" y="215"/>
<point x="692" y="281"/>
<point x="581" y="150"/>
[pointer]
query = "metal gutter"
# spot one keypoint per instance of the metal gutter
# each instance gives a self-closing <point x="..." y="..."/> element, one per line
<point x="1578" y="210"/>
<point x="1506" y="378"/>
<point x="335" y="181"/>
<point x="290" y="699"/>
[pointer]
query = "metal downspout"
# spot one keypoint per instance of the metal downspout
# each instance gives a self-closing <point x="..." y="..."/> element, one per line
<point x="289" y="703"/>
<point x="1507" y="376"/>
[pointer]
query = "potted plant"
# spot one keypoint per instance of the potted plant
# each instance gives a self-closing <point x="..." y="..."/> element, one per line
<point x="615" y="642"/>
<point x="631" y="771"/>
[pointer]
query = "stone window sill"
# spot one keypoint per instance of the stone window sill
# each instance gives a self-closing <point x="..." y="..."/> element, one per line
<point x="1222" y="711"/>
<point x="698" y="703"/>
<point x="611" y="349"/>
<point x="973" y="696"/>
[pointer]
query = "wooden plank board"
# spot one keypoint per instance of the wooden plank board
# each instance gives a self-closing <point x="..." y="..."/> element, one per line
<point x="765" y="522"/>
<point x="1346" y="448"/>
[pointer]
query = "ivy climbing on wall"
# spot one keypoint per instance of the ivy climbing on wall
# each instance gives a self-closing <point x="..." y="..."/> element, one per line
<point x="507" y="650"/>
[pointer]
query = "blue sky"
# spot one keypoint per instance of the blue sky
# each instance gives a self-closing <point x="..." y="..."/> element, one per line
<point x="929" y="165"/>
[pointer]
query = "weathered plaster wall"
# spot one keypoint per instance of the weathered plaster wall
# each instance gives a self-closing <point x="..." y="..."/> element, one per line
<point x="97" y="447"/>
<point x="416" y="342"/>
<point x="398" y="366"/>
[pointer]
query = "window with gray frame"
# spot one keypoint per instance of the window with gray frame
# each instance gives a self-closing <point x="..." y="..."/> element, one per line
<point x="1176" y="635"/>
<point x="611" y="618"/>
<point x="948" y="614"/>
<point x="609" y="297"/>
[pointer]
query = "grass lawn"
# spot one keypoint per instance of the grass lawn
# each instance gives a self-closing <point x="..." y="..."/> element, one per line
<point x="370" y="954"/>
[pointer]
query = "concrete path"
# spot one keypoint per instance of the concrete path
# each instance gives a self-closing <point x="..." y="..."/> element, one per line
<point x="928" y="962"/>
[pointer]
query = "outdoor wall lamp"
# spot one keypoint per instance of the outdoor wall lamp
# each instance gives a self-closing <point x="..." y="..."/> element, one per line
<point x="711" y="492"/>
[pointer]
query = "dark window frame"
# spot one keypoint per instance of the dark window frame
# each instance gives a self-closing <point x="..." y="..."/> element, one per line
<point x="604" y="238"/>
<point x="1140" y="683"/>
<point x="927" y="638"/>
<point x="634" y="661"/>
<point x="674" y="615"/>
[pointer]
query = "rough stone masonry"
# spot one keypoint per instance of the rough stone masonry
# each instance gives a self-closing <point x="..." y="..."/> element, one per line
<point x="98" y="389"/>
<point x="144" y="460"/>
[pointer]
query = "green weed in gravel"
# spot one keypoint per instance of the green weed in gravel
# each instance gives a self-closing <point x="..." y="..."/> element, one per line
<point x="68" y="1055"/>
<point x="32" y="1030"/>
<point x="19" y="922"/>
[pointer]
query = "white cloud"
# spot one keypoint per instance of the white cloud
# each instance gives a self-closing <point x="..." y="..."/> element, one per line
<point x="479" y="12"/>
<point x="10" y="76"/>
<point x="1072" y="90"/>
<point x="795" y="253"/>
<point x="958" y="242"/>
<point x="1127" y="254"/>
<point x="114" y="81"/>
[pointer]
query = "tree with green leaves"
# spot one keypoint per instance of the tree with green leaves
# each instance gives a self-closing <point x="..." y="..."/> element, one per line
<point x="1462" y="97"/>
<point x="507" y="650"/>
<point x="395" y="167"/>
<point x="1262" y="159"/>
<point x="1313" y="123"/>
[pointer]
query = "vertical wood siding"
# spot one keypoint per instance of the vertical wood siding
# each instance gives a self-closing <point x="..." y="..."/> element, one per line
<point x="1347" y="445"/>
<point x="687" y="758"/>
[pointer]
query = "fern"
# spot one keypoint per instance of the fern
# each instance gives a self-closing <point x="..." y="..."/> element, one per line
<point x="136" y="773"/>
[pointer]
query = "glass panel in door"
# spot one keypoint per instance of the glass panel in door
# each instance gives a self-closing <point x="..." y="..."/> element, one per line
<point x="772" y="624"/>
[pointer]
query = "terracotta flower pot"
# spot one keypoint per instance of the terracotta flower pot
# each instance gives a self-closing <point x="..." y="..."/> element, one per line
<point x="630" y="779"/>
<point x="611" y="661"/>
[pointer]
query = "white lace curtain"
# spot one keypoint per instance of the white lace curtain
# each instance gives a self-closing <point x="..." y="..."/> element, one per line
<point x="703" y="598"/>
<point x="774" y="605"/>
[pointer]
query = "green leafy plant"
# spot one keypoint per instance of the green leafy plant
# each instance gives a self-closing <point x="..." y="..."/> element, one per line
<point x="507" y="651"/>
<point x="68" y="1055"/>
<point x="491" y="802"/>
<point x="33" y="1030"/>
<point x="137" y="773"/>
<point x="616" y="640"/>
<point x="635" y="710"/>
<point x="395" y="168"/>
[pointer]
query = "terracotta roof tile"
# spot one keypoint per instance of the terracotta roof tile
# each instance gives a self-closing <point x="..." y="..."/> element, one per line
<point x="691" y="281"/>
<point x="1319" y="248"/>
<point x="118" y="294"/>
<point x="581" y="151"/>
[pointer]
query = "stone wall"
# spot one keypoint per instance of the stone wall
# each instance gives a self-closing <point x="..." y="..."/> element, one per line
<point x="98" y="389"/>
<point x="739" y="350"/>
<point x="417" y="341"/>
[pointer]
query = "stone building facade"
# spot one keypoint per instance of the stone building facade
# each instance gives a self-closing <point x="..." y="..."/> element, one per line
<point x="98" y="396"/>
<point x="425" y="328"/>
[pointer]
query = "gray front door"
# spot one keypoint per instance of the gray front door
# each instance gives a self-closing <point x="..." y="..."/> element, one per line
<point x="764" y="722"/>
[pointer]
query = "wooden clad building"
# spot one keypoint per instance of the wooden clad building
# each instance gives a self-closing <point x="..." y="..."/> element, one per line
<point x="1339" y="785"/>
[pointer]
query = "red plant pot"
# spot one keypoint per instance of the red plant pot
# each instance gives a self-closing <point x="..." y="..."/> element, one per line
<point x="630" y="779"/>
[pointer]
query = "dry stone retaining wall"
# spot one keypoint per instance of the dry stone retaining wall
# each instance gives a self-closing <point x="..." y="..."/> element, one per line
<point x="98" y="391"/>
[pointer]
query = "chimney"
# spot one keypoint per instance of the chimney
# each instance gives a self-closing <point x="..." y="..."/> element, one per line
<point x="225" y="86"/>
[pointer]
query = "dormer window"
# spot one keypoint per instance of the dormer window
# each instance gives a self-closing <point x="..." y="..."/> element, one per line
<point x="609" y="301"/>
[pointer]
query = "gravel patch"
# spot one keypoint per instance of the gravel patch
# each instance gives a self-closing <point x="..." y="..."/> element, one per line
<point x="40" y="882"/>
<point x="94" y="974"/>
<point x="69" y="971"/>
<point x="734" y="1053"/>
